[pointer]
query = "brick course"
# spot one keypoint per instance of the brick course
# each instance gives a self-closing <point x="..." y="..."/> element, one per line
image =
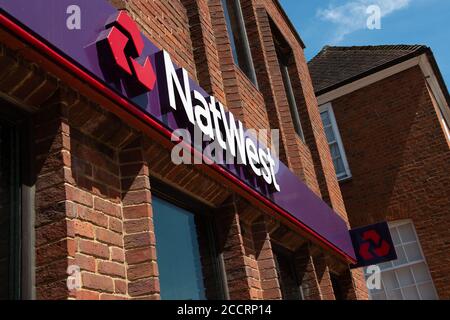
<point x="95" y="172"/>
<point x="399" y="159"/>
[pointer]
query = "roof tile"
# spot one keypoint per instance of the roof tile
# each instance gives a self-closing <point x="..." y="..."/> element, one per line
<point x="333" y="66"/>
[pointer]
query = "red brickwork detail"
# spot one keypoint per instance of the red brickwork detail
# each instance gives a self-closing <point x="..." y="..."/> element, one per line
<point x="79" y="216"/>
<point x="359" y="284"/>
<point x="231" y="245"/>
<point x="93" y="199"/>
<point x="205" y="47"/>
<point x="401" y="172"/>
<point x="139" y="237"/>
<point x="306" y="274"/>
<point x="312" y="124"/>
<point x="227" y="67"/>
<point x="266" y="261"/>
<point x="93" y="190"/>
<point x="53" y="248"/>
<point x="323" y="277"/>
<point x="251" y="262"/>
<point x="166" y="23"/>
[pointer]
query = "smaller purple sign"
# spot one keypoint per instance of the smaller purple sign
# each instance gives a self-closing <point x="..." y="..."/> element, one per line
<point x="373" y="245"/>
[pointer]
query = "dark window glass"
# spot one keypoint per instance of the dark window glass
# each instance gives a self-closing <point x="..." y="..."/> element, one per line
<point x="291" y="99"/>
<point x="337" y="287"/>
<point x="287" y="277"/>
<point x="238" y="38"/>
<point x="284" y="66"/>
<point x="9" y="217"/>
<point x="285" y="58"/>
<point x="178" y="254"/>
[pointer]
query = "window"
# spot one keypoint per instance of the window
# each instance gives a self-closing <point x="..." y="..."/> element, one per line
<point x="189" y="268"/>
<point x="338" y="290"/>
<point x="9" y="214"/>
<point x="17" y="228"/>
<point x="406" y="278"/>
<point x="334" y="141"/>
<point x="289" y="285"/>
<point x="284" y="57"/>
<point x="238" y="38"/>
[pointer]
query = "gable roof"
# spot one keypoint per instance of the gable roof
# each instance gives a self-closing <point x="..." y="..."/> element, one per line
<point x="333" y="67"/>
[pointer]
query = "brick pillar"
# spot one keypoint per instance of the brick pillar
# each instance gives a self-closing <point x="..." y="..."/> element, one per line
<point x="351" y="288"/>
<point x="359" y="286"/>
<point x="251" y="262"/>
<point x="306" y="274"/>
<point x="352" y="282"/>
<point x="320" y="150"/>
<point x="313" y="274"/>
<point x="93" y="194"/>
<point x="204" y="47"/>
<point x="55" y="244"/>
<point x="273" y="89"/>
<point x="266" y="261"/>
<point x="78" y="217"/>
<point x="231" y="246"/>
<point x="323" y="277"/>
<point x="139" y="236"/>
<point x="231" y="85"/>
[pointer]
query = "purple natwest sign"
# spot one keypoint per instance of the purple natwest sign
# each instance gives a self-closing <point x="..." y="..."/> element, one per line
<point x="108" y="45"/>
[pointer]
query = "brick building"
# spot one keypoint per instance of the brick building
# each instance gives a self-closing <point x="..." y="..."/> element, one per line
<point x="386" y="113"/>
<point x="88" y="186"/>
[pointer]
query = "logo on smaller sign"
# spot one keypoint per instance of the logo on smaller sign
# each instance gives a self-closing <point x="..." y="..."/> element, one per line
<point x="373" y="244"/>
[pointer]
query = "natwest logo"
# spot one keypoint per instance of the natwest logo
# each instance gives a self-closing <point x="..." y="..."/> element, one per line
<point x="373" y="244"/>
<point x="182" y="102"/>
<point x="123" y="45"/>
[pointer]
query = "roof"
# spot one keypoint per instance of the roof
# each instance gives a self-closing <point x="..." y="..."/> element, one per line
<point x="334" y="67"/>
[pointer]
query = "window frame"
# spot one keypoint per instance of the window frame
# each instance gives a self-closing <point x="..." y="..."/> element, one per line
<point x="22" y="283"/>
<point x="280" y="251"/>
<point x="286" y="62"/>
<point x="283" y="61"/>
<point x="243" y="60"/>
<point x="445" y="123"/>
<point x="396" y="224"/>
<point x="14" y="212"/>
<point x="328" y="107"/>
<point x="200" y="211"/>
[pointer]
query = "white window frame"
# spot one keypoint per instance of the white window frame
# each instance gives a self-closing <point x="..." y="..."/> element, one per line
<point x="444" y="123"/>
<point x="396" y="224"/>
<point x="329" y="108"/>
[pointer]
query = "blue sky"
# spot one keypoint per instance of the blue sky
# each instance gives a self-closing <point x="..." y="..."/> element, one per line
<point x="343" y="23"/>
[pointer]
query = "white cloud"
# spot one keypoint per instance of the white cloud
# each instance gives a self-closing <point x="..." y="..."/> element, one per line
<point x="352" y="16"/>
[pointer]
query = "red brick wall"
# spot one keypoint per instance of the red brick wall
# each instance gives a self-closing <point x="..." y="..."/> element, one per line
<point x="54" y="249"/>
<point x="78" y="209"/>
<point x="139" y="236"/>
<point x="267" y="107"/>
<point x="166" y="23"/>
<point x="270" y="283"/>
<point x="93" y="200"/>
<point x="400" y="160"/>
